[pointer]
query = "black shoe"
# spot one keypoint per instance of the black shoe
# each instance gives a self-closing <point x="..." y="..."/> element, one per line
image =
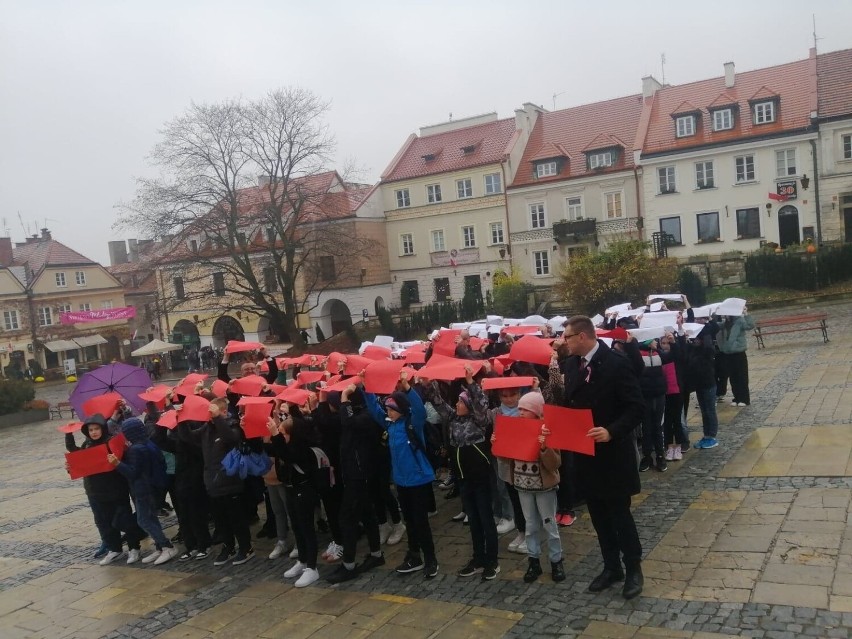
<point x="605" y="580"/>
<point x="224" y="557"/>
<point x="557" y="571"/>
<point x="412" y="563"/>
<point x="177" y="539"/>
<point x="101" y="551"/>
<point x="202" y="554"/>
<point x="470" y="569"/>
<point x="341" y="574"/>
<point x="633" y="582"/>
<point x="431" y="568"/>
<point x="371" y="562"/>
<point x="490" y="572"/>
<point x="662" y="466"/>
<point x="452" y="492"/>
<point x="645" y="464"/>
<point x="533" y="571"/>
<point x="243" y="556"/>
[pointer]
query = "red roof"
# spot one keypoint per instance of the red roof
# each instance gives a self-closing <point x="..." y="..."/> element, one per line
<point x="834" y="79"/>
<point x="580" y="129"/>
<point x="793" y="84"/>
<point x="41" y="253"/>
<point x="490" y="140"/>
<point x="724" y="100"/>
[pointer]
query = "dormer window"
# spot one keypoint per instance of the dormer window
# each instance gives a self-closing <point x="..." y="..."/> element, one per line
<point x="601" y="160"/>
<point x="545" y="169"/>
<point x="685" y="126"/>
<point x="429" y="157"/>
<point x="467" y="150"/>
<point x="723" y="119"/>
<point x="764" y="112"/>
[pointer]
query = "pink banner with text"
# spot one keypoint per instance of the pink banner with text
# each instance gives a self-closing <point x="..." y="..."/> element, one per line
<point x="102" y="315"/>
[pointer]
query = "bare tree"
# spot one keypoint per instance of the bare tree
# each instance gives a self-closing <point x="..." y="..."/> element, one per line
<point x="245" y="197"/>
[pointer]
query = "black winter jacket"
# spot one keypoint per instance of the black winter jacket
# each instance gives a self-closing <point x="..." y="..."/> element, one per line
<point x="216" y="439"/>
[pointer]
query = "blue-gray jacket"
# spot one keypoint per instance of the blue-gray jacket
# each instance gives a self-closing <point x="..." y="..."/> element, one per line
<point x="733" y="338"/>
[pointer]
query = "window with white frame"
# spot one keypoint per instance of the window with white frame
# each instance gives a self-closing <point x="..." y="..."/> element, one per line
<point x="10" y="320"/>
<point x="406" y="244"/>
<point x="85" y="306"/>
<point x="60" y="280"/>
<point x="63" y="308"/>
<point x="544" y="169"/>
<point x="670" y="227"/>
<point x="764" y="112"/>
<point x="745" y="168"/>
<point x="541" y="263"/>
<point x="785" y="162"/>
<point x="493" y="184"/>
<point x="600" y="160"/>
<point x="403" y="198"/>
<point x="496" y="229"/>
<point x="573" y="207"/>
<point x="106" y="304"/>
<point x="468" y="236"/>
<point x="748" y="223"/>
<point x="685" y="126"/>
<point x="723" y="119"/>
<point x="433" y="193"/>
<point x="846" y="144"/>
<point x="666" y="179"/>
<point x="464" y="188"/>
<point x="438" y="243"/>
<point x="80" y="278"/>
<point x="704" y="175"/>
<point x="708" y="227"/>
<point x="537" y="216"/>
<point x="45" y="316"/>
<point x="613" y="205"/>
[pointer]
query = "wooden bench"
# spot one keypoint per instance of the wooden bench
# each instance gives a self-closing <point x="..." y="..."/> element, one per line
<point x="56" y="411"/>
<point x="791" y="324"/>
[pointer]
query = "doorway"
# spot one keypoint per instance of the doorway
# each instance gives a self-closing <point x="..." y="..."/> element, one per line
<point x="846" y="203"/>
<point x="788" y="226"/>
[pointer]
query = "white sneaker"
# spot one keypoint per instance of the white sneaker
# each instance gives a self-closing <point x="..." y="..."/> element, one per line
<point x="309" y="576"/>
<point x="505" y="525"/>
<point x="294" y="554"/>
<point x="396" y="534"/>
<point x="147" y="559"/>
<point x="328" y="551"/>
<point x="517" y="541"/>
<point x="335" y="553"/>
<point x="522" y="547"/>
<point x="296" y="570"/>
<point x="280" y="549"/>
<point x="670" y="453"/>
<point x="385" y="532"/>
<point x="167" y="554"/>
<point x="110" y="557"/>
<point x="133" y="556"/>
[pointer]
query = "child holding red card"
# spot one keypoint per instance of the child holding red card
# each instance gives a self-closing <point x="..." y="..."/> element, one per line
<point x="536" y="484"/>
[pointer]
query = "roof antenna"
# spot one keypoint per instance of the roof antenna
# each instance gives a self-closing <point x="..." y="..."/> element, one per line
<point x="813" y="17"/>
<point x="556" y="95"/>
<point x="451" y="116"/>
<point x="663" y="66"/>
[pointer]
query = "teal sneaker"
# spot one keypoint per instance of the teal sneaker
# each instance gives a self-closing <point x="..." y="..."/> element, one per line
<point x="700" y="443"/>
<point x="708" y="442"/>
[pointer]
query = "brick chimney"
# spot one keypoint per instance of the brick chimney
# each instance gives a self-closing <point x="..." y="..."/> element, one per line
<point x="45" y="234"/>
<point x="730" y="75"/>
<point x="650" y="85"/>
<point x="5" y="251"/>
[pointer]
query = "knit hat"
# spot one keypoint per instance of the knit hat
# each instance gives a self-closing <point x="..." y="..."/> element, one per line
<point x="134" y="430"/>
<point x="464" y="397"/>
<point x="399" y="402"/>
<point x="533" y="402"/>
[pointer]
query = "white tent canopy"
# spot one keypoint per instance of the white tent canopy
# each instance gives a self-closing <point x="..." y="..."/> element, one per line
<point x="155" y="347"/>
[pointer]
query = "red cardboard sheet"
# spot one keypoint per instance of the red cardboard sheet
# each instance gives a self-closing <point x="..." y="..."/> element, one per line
<point x="332" y="362"/>
<point x="355" y="364"/>
<point x="168" y="419"/>
<point x="194" y="378"/>
<point x="157" y="394"/>
<point x="254" y="421"/>
<point x="446" y="343"/>
<point x="376" y="352"/>
<point x="516" y="438"/>
<point x="448" y="368"/>
<point x="234" y="346"/>
<point x="310" y="377"/>
<point x="72" y="427"/>
<point x="341" y="384"/>
<point x="185" y="390"/>
<point x="245" y="401"/>
<point x="90" y="461"/>
<point x="382" y="375"/>
<point x="496" y="383"/>
<point x="295" y="396"/>
<point x="414" y="355"/>
<point x="615" y="333"/>
<point x="195" y="409"/>
<point x="521" y="330"/>
<point x="219" y="388"/>
<point x="103" y="404"/>
<point x="531" y="349"/>
<point x="568" y="428"/>
<point x="248" y="385"/>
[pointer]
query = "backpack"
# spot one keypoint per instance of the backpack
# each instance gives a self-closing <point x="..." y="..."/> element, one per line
<point x="156" y="465"/>
<point x="321" y="477"/>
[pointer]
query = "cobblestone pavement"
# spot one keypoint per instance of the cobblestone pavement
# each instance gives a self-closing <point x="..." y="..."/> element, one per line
<point x="748" y="539"/>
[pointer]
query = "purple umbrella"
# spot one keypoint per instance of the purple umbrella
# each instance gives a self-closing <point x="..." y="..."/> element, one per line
<point x="128" y="381"/>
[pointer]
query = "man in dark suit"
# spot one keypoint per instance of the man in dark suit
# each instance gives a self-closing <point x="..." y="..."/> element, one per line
<point x="605" y="381"/>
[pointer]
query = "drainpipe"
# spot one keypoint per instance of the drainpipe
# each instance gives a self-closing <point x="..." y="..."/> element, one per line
<point x="506" y="208"/>
<point x="640" y="224"/>
<point x="816" y="193"/>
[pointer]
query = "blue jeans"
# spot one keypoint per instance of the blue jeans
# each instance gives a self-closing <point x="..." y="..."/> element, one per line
<point x="707" y="404"/>
<point x="476" y="502"/>
<point x="146" y="517"/>
<point x="540" y="512"/>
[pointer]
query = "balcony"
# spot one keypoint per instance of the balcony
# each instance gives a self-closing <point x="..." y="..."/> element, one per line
<point x="575" y="231"/>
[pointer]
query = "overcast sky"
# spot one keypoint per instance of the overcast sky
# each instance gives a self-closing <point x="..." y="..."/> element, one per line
<point x="86" y="85"/>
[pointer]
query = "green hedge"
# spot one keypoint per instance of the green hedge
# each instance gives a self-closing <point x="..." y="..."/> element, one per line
<point x="14" y="394"/>
<point x="800" y="271"/>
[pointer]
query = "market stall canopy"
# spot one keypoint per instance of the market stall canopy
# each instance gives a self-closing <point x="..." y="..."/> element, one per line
<point x="155" y="347"/>
<point x="90" y="340"/>
<point x="61" y="345"/>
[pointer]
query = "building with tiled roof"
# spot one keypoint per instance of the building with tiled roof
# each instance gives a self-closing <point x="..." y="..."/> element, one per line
<point x="445" y="205"/>
<point x="727" y="162"/>
<point x="575" y="187"/>
<point x="40" y="279"/>
<point x="834" y="87"/>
